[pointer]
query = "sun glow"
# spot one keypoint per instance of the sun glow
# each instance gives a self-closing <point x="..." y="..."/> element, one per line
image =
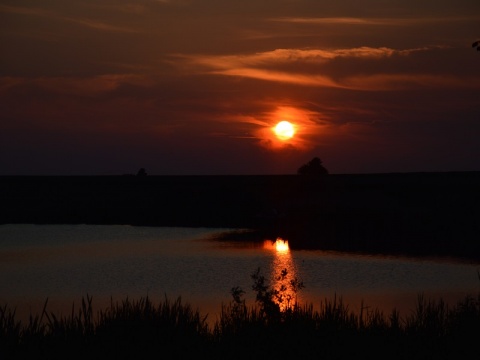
<point x="288" y="127"/>
<point x="284" y="130"/>
<point x="281" y="245"/>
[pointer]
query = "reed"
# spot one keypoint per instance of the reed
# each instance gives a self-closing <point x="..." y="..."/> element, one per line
<point x="174" y="329"/>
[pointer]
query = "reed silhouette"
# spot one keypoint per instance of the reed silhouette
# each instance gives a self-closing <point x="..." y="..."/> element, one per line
<point x="173" y="329"/>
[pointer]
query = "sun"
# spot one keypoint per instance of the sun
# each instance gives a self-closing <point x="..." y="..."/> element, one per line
<point x="284" y="130"/>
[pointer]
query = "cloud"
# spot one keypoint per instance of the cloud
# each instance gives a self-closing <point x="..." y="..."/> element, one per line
<point x="82" y="21"/>
<point x="385" y="82"/>
<point x="85" y="86"/>
<point x="99" y="25"/>
<point x="290" y="55"/>
<point x="361" y="68"/>
<point x="25" y="10"/>
<point x="290" y="78"/>
<point x="367" y="21"/>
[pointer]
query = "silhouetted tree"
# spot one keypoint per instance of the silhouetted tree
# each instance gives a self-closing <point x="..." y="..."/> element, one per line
<point x="142" y="172"/>
<point x="476" y="44"/>
<point x="313" y="167"/>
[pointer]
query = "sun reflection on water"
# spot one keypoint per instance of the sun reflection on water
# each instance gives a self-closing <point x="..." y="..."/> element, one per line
<point x="281" y="279"/>
<point x="282" y="246"/>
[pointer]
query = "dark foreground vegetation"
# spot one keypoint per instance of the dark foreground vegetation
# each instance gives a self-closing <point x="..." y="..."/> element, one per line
<point x="142" y="329"/>
<point x="413" y="213"/>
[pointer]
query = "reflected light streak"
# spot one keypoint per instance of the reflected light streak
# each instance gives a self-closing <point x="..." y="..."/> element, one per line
<point x="282" y="246"/>
<point x="282" y="260"/>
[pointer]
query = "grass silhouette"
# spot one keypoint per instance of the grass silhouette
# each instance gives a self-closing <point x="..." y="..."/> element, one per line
<point x="173" y="329"/>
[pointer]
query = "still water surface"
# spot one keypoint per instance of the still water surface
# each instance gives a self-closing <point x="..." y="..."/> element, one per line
<point x="66" y="262"/>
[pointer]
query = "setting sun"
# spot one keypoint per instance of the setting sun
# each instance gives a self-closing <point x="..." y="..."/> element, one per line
<point x="284" y="130"/>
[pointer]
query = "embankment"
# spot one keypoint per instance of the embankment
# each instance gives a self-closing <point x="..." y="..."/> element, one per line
<point x="411" y="213"/>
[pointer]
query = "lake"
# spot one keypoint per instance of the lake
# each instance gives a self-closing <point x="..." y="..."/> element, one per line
<point x="66" y="262"/>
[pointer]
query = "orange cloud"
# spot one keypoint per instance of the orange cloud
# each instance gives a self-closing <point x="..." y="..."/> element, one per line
<point x="283" y="77"/>
<point x="372" y="21"/>
<point x="307" y="67"/>
<point x="388" y="82"/>
<point x="86" y="86"/>
<point x="289" y="56"/>
<point x="86" y="22"/>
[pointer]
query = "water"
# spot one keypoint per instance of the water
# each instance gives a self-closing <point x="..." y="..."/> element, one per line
<point x="66" y="262"/>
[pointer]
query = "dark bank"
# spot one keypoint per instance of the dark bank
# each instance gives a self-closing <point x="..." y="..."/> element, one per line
<point x="425" y="214"/>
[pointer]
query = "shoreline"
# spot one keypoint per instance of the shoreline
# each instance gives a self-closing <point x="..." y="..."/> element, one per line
<point x="419" y="214"/>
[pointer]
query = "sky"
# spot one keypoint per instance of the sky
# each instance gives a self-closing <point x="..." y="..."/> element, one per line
<point x="195" y="87"/>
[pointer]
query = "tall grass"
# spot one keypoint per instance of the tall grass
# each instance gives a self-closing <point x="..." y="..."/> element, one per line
<point x="129" y="329"/>
<point x="173" y="329"/>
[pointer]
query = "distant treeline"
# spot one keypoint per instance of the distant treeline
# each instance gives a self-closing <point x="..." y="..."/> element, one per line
<point x="411" y="213"/>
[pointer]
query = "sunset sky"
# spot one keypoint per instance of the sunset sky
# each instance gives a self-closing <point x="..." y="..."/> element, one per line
<point x="195" y="87"/>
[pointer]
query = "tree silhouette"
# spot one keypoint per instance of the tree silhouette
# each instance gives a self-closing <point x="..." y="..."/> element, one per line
<point x="141" y="172"/>
<point x="476" y="44"/>
<point x="313" y="167"/>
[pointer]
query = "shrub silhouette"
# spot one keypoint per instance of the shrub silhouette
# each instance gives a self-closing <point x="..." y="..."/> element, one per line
<point x="142" y="172"/>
